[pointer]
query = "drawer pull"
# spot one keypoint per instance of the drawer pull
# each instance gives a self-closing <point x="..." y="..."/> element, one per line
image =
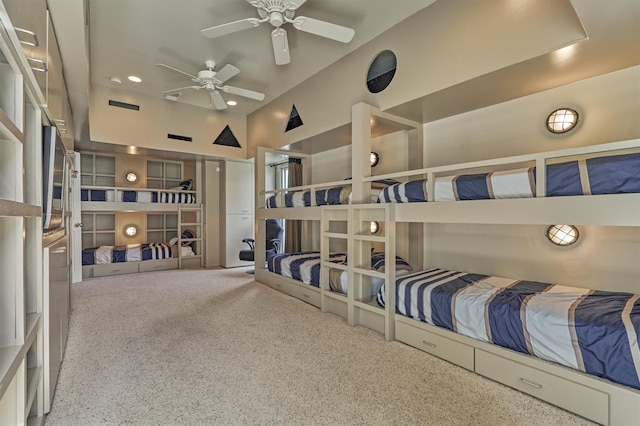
<point x="530" y="383"/>
<point x="278" y="285"/>
<point x="432" y="345"/>
<point x="306" y="295"/>
<point x="114" y="270"/>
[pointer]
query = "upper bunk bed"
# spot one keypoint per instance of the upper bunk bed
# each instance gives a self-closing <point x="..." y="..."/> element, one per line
<point x="105" y="198"/>
<point x="319" y="185"/>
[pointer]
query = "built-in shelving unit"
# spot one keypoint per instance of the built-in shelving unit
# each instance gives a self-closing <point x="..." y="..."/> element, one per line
<point x="350" y="226"/>
<point x="190" y="218"/>
<point x="21" y="275"/>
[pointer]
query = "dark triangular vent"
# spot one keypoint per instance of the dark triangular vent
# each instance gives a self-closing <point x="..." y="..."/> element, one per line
<point x="294" y="119"/>
<point x="227" y="138"/>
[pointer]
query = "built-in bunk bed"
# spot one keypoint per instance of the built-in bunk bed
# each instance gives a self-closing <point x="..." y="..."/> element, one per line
<point x="573" y="345"/>
<point x="320" y="274"/>
<point x="481" y="321"/>
<point x="135" y="229"/>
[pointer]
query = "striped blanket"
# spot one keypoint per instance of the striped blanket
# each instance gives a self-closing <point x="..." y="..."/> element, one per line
<point x="592" y="331"/>
<point x="614" y="174"/>
<point x="136" y="196"/>
<point x="127" y="253"/>
<point x="302" y="266"/>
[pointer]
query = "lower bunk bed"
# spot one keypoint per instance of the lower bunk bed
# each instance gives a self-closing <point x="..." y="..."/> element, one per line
<point x="131" y="258"/>
<point x="572" y="347"/>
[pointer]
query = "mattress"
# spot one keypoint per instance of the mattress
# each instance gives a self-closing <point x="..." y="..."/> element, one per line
<point x="127" y="253"/>
<point x="592" y="331"/>
<point x="110" y="195"/>
<point x="301" y="266"/>
<point x="323" y="197"/>
<point x="616" y="174"/>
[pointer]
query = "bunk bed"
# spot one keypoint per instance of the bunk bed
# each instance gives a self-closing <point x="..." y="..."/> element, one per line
<point x="604" y="191"/>
<point x="172" y="248"/>
<point x="543" y="339"/>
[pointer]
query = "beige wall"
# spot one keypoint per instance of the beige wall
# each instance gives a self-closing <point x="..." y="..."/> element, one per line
<point x="608" y="107"/>
<point x="148" y="127"/>
<point x="436" y="48"/>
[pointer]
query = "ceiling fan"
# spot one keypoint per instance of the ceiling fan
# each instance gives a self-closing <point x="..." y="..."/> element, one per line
<point x="277" y="13"/>
<point x="213" y="81"/>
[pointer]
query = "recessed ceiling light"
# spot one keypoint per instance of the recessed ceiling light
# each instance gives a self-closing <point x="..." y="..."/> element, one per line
<point x="134" y="78"/>
<point x="232" y="103"/>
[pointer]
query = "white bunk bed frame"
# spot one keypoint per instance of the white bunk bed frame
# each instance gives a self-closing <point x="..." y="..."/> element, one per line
<point x="177" y="261"/>
<point x="596" y="399"/>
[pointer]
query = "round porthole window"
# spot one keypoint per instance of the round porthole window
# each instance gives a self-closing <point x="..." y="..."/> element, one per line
<point x="381" y="71"/>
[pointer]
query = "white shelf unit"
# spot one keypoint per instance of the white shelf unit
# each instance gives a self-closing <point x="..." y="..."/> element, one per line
<point x="21" y="275"/>
<point x="190" y="218"/>
<point x="350" y="225"/>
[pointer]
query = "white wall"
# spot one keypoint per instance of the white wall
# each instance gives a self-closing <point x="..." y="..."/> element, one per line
<point x="148" y="127"/>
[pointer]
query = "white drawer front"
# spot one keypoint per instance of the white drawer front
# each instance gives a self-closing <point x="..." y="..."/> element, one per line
<point x="580" y="399"/>
<point x="114" y="269"/>
<point x="447" y="349"/>
<point x="162" y="265"/>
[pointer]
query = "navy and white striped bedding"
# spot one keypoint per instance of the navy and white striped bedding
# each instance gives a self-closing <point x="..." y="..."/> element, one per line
<point x="136" y="196"/>
<point x="127" y="253"/>
<point x="615" y="174"/>
<point x="592" y="331"/>
<point x="339" y="282"/>
<point x="302" y="266"/>
<point x="324" y="197"/>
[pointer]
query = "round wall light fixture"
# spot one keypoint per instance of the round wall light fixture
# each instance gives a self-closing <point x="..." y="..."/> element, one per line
<point x="563" y="235"/>
<point x="562" y="120"/>
<point x="375" y="227"/>
<point x="130" y="231"/>
<point x="375" y="159"/>
<point x="131" y="177"/>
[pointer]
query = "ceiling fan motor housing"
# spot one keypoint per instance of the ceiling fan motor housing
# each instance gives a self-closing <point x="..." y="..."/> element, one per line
<point x="206" y="75"/>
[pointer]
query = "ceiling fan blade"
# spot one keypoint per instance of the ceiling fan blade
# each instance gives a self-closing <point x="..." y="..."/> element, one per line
<point x="280" y="46"/>
<point x="243" y="92"/>
<point x="182" y="88"/>
<point x="324" y="29"/>
<point x="177" y="70"/>
<point x="226" y="73"/>
<point x="217" y="101"/>
<point x="230" y="27"/>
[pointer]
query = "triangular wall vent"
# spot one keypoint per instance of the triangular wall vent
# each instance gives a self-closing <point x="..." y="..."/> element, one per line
<point x="294" y="119"/>
<point x="227" y="138"/>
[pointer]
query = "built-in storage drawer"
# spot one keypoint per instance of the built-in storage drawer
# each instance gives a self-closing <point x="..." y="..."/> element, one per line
<point x="580" y="399"/>
<point x="305" y="294"/>
<point x="435" y="344"/>
<point x="114" y="269"/>
<point x="162" y="265"/>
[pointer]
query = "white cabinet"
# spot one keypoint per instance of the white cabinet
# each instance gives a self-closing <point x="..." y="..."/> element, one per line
<point x="238" y="220"/>
<point x="238" y="227"/>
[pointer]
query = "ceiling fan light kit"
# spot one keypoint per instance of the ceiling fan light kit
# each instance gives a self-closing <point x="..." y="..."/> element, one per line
<point x="278" y="13"/>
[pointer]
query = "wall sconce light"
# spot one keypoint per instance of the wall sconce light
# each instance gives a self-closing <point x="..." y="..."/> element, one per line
<point x="562" y="120"/>
<point x="375" y="227"/>
<point x="130" y="231"/>
<point x="375" y="159"/>
<point x="562" y="235"/>
<point x="131" y="177"/>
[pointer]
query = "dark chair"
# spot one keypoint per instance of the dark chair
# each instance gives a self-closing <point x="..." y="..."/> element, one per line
<point x="273" y="239"/>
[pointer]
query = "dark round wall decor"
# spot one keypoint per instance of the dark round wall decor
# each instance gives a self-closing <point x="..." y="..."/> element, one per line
<point x="381" y="71"/>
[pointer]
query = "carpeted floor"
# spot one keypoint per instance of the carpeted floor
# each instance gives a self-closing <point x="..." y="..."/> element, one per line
<point x="216" y="348"/>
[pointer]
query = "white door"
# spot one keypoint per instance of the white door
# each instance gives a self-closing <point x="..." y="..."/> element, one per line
<point x="76" y="220"/>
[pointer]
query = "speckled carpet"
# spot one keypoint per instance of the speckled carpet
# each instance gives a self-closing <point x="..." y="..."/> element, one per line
<point x="216" y="348"/>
